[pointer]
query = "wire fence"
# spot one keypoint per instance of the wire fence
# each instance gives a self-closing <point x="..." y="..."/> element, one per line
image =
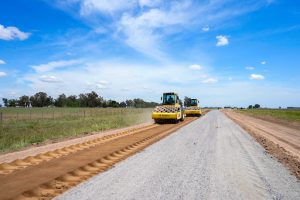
<point x="31" y="114"/>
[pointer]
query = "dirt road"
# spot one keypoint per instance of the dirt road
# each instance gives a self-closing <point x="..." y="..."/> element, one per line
<point x="211" y="158"/>
<point x="280" y="140"/>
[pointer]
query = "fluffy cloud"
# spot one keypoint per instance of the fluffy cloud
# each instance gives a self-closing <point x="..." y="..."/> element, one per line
<point x="54" y="65"/>
<point x="105" y="6"/>
<point x="222" y="40"/>
<point x="145" y="31"/>
<point x="2" y="74"/>
<point x="49" y="79"/>
<point x="12" y="33"/>
<point x="210" y="80"/>
<point x="263" y="62"/>
<point x="250" y="68"/>
<point x="256" y="77"/>
<point x="2" y="62"/>
<point x="205" y="28"/>
<point x="195" y="67"/>
<point x="149" y="3"/>
<point x="146" y="25"/>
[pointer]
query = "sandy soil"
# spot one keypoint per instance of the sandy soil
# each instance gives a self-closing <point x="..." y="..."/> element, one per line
<point x="35" y="150"/>
<point x="78" y="165"/>
<point x="280" y="140"/>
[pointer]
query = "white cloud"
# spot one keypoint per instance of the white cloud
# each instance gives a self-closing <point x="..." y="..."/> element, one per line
<point x="125" y="89"/>
<point x="101" y="86"/>
<point x="195" y="67"/>
<point x="256" y="77"/>
<point x="210" y="80"/>
<point x="103" y="82"/>
<point x="140" y="31"/>
<point x="263" y="62"/>
<point x="205" y="28"/>
<point x="222" y="40"/>
<point x="250" y="68"/>
<point x="144" y="25"/>
<point x="2" y="62"/>
<point x="105" y="6"/>
<point x="49" y="79"/>
<point x="149" y="3"/>
<point x="55" y="64"/>
<point x="12" y="33"/>
<point x="230" y="78"/>
<point x="2" y="74"/>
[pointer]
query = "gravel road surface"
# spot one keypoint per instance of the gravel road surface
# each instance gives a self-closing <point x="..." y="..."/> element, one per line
<point x="211" y="158"/>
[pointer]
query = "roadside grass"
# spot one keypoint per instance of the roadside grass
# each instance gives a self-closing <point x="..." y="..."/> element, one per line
<point x="282" y="114"/>
<point x="18" y="134"/>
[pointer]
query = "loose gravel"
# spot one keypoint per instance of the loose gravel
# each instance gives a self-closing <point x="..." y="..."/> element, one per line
<point x="211" y="158"/>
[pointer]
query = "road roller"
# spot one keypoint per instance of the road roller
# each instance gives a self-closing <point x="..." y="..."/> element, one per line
<point x="193" y="108"/>
<point x="171" y="109"/>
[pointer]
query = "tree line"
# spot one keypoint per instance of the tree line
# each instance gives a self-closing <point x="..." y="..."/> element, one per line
<point x="92" y="99"/>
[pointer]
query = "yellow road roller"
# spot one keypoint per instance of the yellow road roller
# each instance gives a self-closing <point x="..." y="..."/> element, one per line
<point x="193" y="108"/>
<point x="171" y="110"/>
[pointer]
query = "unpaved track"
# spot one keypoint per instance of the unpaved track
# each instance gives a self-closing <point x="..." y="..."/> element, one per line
<point x="49" y="178"/>
<point x="211" y="158"/>
<point x="286" y="137"/>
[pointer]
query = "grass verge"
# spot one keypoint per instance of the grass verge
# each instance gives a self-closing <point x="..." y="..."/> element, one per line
<point x="18" y="134"/>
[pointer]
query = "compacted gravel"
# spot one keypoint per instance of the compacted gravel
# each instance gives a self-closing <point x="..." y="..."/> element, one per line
<point x="211" y="158"/>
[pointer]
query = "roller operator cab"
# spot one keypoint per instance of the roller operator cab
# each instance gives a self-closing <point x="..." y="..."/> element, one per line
<point x="193" y="108"/>
<point x="171" y="109"/>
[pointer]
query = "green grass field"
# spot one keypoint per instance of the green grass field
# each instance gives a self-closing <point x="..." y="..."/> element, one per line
<point x="282" y="114"/>
<point x="21" y="127"/>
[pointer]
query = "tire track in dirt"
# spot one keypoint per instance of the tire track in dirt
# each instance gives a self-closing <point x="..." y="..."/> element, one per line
<point x="48" y="179"/>
<point x="7" y="168"/>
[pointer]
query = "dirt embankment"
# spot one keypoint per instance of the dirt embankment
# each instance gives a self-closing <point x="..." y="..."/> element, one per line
<point x="279" y="140"/>
<point x="51" y="173"/>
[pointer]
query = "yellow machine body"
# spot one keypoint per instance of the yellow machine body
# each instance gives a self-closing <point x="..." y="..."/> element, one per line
<point x="170" y="110"/>
<point x="193" y="109"/>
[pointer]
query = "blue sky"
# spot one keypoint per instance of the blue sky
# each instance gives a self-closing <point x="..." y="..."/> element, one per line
<point x="224" y="52"/>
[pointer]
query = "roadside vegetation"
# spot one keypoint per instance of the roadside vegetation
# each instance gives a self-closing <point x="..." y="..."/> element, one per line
<point x="291" y="115"/>
<point x="92" y="99"/>
<point x="33" y="127"/>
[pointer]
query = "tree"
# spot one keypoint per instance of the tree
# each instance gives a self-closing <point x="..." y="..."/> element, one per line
<point x="5" y="101"/>
<point x="83" y="100"/>
<point x="41" y="99"/>
<point x="112" y="103"/>
<point x="256" y="106"/>
<point x="139" y="103"/>
<point x="187" y="101"/>
<point x="12" y="102"/>
<point x="250" y="107"/>
<point x="72" y="101"/>
<point x="129" y="103"/>
<point x="24" y="101"/>
<point x="61" y="101"/>
<point x="123" y="104"/>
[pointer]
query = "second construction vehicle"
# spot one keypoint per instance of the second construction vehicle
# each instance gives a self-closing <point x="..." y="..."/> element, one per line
<point x="193" y="108"/>
<point x="171" y="109"/>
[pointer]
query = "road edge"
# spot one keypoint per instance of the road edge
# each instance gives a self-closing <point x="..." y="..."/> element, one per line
<point x="289" y="161"/>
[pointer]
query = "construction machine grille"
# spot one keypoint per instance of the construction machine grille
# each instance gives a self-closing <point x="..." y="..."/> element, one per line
<point x="165" y="109"/>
